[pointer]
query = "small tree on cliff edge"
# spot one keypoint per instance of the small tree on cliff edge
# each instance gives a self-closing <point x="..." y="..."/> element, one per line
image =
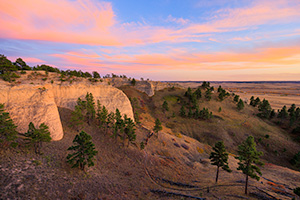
<point x="219" y="157"/>
<point x="84" y="151"/>
<point x="247" y="156"/>
<point x="8" y="131"/>
<point x="157" y="127"/>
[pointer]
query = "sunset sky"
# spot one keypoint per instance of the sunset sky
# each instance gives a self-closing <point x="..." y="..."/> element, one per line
<point x="215" y="40"/>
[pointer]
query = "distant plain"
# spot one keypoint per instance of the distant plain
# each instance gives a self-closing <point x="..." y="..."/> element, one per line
<point x="277" y="93"/>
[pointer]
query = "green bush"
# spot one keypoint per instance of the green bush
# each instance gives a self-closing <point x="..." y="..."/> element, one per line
<point x="297" y="191"/>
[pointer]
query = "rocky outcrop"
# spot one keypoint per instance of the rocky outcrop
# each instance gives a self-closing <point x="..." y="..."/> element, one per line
<point x="38" y="103"/>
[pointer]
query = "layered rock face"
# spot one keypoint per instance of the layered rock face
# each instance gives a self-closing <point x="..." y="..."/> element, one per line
<point x="38" y="103"/>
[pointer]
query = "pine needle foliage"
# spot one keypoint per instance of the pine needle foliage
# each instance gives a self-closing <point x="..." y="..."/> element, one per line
<point x="36" y="136"/>
<point x="8" y="131"/>
<point x="84" y="151"/>
<point x="157" y="127"/>
<point x="219" y="157"/>
<point x="249" y="159"/>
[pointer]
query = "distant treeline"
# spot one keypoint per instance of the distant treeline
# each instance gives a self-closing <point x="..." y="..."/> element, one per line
<point x="7" y="69"/>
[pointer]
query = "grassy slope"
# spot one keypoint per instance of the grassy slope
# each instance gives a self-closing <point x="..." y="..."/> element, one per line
<point x="120" y="172"/>
<point x="230" y="125"/>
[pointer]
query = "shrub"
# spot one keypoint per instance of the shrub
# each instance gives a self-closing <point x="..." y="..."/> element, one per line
<point x="297" y="191"/>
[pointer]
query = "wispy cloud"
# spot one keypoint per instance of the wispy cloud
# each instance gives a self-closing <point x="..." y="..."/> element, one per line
<point x="177" y="20"/>
<point x="93" y="22"/>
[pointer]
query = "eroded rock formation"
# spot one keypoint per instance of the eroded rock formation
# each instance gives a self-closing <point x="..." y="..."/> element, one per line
<point x="38" y="103"/>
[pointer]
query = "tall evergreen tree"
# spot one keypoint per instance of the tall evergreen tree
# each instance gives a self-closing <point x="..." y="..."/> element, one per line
<point x="119" y="124"/>
<point x="198" y="93"/>
<point x="208" y="94"/>
<point x="249" y="159"/>
<point x="90" y="107"/>
<point x="219" y="157"/>
<point x="296" y="160"/>
<point x="96" y="74"/>
<point x="236" y="98"/>
<point x="240" y="105"/>
<point x="182" y="111"/>
<point x="252" y="101"/>
<point x="8" y="131"/>
<point x="84" y="151"/>
<point x="165" y="106"/>
<point x="188" y="93"/>
<point x="129" y="130"/>
<point x="283" y="114"/>
<point x="133" y="82"/>
<point x="257" y="102"/>
<point x="157" y="127"/>
<point x="265" y="109"/>
<point x="77" y="116"/>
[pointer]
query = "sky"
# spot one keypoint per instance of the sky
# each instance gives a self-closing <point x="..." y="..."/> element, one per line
<point x="166" y="40"/>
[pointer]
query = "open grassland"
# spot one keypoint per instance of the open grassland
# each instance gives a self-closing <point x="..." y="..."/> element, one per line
<point x="278" y="94"/>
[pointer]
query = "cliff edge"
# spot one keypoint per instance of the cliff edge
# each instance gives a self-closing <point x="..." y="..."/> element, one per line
<point x="38" y="103"/>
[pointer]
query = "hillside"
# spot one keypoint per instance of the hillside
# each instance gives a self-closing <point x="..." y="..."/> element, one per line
<point x="173" y="165"/>
<point x="130" y="173"/>
<point x="230" y="125"/>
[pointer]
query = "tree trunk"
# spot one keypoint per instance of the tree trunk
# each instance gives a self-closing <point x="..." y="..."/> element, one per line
<point x="246" y="186"/>
<point x="124" y="139"/>
<point x="217" y="176"/>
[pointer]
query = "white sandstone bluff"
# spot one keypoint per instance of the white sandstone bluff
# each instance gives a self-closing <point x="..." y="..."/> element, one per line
<point x="38" y="103"/>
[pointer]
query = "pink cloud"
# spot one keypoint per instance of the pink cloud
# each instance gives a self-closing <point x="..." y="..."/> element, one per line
<point x="264" y="58"/>
<point x="93" y="22"/>
<point x="27" y="59"/>
<point x="86" y="22"/>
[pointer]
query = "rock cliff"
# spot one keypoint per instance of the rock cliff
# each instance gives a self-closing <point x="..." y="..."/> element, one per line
<point x="149" y="87"/>
<point x="38" y="103"/>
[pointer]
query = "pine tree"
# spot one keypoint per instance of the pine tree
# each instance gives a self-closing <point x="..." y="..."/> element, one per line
<point x="102" y="114"/>
<point x="90" y="107"/>
<point x="283" y="114"/>
<point x="240" y="105"/>
<point x="157" y="127"/>
<point x="256" y="102"/>
<point x="8" y="131"/>
<point x="208" y="94"/>
<point x="133" y="82"/>
<point x="248" y="156"/>
<point x="84" y="151"/>
<point x="165" y="106"/>
<point x="190" y="113"/>
<point x="219" y="157"/>
<point x="296" y="160"/>
<point x="182" y="111"/>
<point x="96" y="74"/>
<point x="119" y="124"/>
<point x="219" y="88"/>
<point x="198" y="93"/>
<point x="188" y="93"/>
<point x="110" y="120"/>
<point x="36" y="137"/>
<point x="129" y="130"/>
<point x="252" y="101"/>
<point x="77" y="116"/>
<point x="236" y="98"/>
<point x="265" y="109"/>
